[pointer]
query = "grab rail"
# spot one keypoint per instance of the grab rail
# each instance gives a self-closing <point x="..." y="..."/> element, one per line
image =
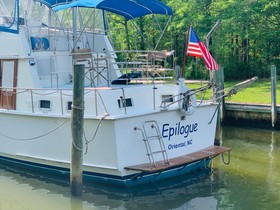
<point x="9" y="91"/>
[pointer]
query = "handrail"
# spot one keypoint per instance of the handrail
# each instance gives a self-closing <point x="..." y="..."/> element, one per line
<point x="49" y="91"/>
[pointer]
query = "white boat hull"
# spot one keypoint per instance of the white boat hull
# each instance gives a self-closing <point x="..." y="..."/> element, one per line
<point x="135" y="113"/>
<point x="47" y="140"/>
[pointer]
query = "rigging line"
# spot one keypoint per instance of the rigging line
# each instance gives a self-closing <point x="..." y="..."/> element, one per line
<point x="215" y="112"/>
<point x="44" y="94"/>
<point x="202" y="98"/>
<point x="102" y="102"/>
<point x="36" y="137"/>
<point x="19" y="92"/>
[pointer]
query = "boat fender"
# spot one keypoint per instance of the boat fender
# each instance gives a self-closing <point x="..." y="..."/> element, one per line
<point x="187" y="100"/>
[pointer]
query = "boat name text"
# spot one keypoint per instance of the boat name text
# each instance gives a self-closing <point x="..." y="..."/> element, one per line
<point x="169" y="131"/>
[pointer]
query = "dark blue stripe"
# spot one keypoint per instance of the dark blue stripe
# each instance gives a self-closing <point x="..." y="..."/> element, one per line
<point x="130" y="180"/>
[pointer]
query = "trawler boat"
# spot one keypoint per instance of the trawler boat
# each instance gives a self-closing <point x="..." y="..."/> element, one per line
<point x="140" y="125"/>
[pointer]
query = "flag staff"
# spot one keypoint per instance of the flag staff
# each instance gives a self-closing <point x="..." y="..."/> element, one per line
<point x="207" y="39"/>
<point x="185" y="52"/>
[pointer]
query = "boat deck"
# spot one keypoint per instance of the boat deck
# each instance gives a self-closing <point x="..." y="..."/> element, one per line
<point x="182" y="160"/>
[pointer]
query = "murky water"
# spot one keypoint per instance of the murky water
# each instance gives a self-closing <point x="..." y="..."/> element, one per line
<point x="250" y="181"/>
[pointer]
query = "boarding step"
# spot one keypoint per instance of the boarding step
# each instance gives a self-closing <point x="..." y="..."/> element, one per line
<point x="209" y="152"/>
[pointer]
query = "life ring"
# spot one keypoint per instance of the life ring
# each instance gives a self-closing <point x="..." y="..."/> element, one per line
<point x="186" y="99"/>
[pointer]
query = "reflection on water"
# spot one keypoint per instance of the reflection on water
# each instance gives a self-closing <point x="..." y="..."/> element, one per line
<point x="250" y="181"/>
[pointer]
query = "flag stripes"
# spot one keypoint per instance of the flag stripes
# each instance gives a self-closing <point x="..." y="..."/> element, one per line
<point x="196" y="48"/>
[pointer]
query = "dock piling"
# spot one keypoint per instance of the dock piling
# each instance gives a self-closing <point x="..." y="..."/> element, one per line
<point x="219" y="80"/>
<point x="77" y="123"/>
<point x="273" y="96"/>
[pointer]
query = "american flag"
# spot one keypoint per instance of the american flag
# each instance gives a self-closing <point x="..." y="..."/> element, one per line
<point x="198" y="49"/>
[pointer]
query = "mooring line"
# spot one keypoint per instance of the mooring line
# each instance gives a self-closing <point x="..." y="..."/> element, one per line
<point x="36" y="137"/>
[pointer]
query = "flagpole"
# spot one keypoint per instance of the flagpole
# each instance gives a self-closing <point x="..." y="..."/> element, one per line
<point x="185" y="53"/>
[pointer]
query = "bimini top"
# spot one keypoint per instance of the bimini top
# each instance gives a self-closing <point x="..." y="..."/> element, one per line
<point x="128" y="8"/>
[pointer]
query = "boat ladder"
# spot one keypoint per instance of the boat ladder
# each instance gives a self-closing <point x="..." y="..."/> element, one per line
<point x="153" y="142"/>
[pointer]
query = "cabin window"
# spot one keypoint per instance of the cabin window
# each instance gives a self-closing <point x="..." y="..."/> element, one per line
<point x="125" y="102"/>
<point x="167" y="98"/>
<point x="69" y="105"/>
<point x="45" y="104"/>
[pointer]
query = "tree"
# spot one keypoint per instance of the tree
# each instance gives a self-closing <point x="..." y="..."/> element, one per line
<point x="247" y="43"/>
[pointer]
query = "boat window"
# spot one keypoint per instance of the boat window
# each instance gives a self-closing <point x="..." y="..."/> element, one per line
<point x="167" y="98"/>
<point x="125" y="103"/>
<point x="45" y="104"/>
<point x="69" y="105"/>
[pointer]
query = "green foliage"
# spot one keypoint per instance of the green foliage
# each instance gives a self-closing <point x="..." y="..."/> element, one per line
<point x="246" y="44"/>
<point x="259" y="92"/>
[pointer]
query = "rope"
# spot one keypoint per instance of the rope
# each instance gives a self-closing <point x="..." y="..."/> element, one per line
<point x="73" y="143"/>
<point x="77" y="107"/>
<point x="215" y="112"/>
<point x="95" y="133"/>
<point x="204" y="90"/>
<point x="36" y="137"/>
<point x="44" y="94"/>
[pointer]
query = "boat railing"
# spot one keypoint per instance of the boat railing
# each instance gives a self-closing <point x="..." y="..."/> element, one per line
<point x="34" y="95"/>
<point x="59" y="101"/>
<point x="106" y="64"/>
<point x="118" y="67"/>
<point x="132" y="65"/>
<point x="150" y="64"/>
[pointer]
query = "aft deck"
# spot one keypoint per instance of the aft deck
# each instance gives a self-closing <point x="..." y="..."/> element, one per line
<point x="209" y="152"/>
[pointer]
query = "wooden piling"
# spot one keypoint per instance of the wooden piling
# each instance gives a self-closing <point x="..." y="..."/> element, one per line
<point x="219" y="80"/>
<point x="273" y="96"/>
<point x="77" y="121"/>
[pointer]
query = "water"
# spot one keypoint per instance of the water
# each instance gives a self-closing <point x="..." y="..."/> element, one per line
<point x="250" y="181"/>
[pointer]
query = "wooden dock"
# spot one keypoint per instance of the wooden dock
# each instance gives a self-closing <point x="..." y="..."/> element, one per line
<point x="247" y="114"/>
<point x="182" y="160"/>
